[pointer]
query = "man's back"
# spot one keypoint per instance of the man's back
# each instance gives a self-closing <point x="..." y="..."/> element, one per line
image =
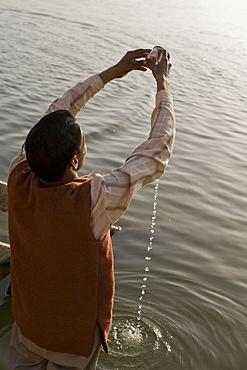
<point x="50" y="233"/>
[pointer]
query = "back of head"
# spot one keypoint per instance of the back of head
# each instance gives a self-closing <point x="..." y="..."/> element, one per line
<point x="51" y="144"/>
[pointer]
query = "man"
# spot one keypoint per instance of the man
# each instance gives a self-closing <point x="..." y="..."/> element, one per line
<point x="62" y="278"/>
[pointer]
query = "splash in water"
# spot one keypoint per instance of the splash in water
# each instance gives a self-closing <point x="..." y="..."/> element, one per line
<point x="127" y="334"/>
<point x="136" y="335"/>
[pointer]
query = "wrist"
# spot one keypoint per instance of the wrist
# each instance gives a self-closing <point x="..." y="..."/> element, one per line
<point x="162" y="83"/>
<point x="109" y="74"/>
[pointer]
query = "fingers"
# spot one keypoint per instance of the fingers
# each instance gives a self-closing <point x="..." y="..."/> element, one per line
<point x="168" y="64"/>
<point x="139" y="53"/>
<point x="156" y="59"/>
<point x="167" y="55"/>
<point x="139" y="56"/>
<point x="168" y="70"/>
<point x="140" y="66"/>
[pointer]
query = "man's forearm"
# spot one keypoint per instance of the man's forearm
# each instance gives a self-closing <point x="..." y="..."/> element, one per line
<point x="109" y="74"/>
<point x="131" y="60"/>
<point x="76" y="98"/>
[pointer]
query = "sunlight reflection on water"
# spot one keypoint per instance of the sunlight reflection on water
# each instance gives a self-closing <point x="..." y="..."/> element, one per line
<point x="193" y="312"/>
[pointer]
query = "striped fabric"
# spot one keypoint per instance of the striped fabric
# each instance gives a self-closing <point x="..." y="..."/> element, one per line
<point x="111" y="193"/>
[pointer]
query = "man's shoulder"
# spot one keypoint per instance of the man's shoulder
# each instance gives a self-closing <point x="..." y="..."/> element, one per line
<point x="17" y="161"/>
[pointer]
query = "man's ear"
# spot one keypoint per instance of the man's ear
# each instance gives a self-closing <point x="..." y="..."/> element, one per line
<point x="74" y="162"/>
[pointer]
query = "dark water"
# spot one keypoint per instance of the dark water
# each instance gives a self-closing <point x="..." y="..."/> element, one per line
<point x="181" y="290"/>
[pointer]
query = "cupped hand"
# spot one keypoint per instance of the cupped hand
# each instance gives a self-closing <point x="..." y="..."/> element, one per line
<point x="160" y="66"/>
<point x="134" y="59"/>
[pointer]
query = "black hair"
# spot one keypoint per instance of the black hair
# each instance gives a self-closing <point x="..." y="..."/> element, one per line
<point x="51" y="144"/>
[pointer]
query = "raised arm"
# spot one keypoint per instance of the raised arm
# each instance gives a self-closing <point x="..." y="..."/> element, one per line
<point x="147" y="163"/>
<point x="149" y="160"/>
<point x="135" y="59"/>
<point x="161" y="70"/>
<point x="75" y="99"/>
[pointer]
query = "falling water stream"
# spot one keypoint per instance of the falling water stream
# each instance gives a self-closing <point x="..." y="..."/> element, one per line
<point x="135" y="334"/>
<point x="149" y="249"/>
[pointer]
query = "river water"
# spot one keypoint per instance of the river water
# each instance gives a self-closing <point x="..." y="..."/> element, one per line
<point x="181" y="256"/>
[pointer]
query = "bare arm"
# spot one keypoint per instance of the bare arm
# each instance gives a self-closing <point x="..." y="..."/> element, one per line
<point x="134" y="59"/>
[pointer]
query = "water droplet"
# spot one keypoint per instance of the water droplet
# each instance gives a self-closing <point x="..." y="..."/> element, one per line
<point x="169" y="348"/>
<point x="150" y="246"/>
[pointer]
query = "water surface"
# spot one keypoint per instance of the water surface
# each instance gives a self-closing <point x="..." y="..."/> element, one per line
<point x="193" y="309"/>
